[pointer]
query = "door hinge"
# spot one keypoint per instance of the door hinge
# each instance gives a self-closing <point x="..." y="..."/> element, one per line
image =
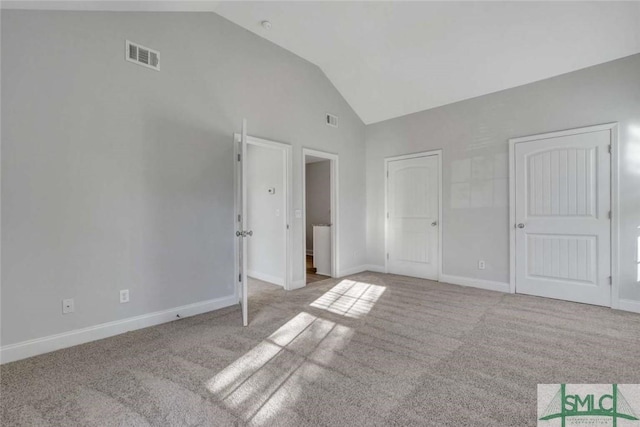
<point x="387" y="255"/>
<point x="609" y="148"/>
<point x="240" y="277"/>
<point x="387" y="174"/>
<point x="610" y="280"/>
<point x="239" y="218"/>
<point x="287" y="226"/>
<point x="387" y="215"/>
<point x="239" y="157"/>
<point x="609" y="215"/>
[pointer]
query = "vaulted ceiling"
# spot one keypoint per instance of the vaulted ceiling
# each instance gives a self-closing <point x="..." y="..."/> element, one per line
<point x="389" y="59"/>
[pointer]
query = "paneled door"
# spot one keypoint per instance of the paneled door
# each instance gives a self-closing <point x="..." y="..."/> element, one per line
<point x="562" y="216"/>
<point x="413" y="220"/>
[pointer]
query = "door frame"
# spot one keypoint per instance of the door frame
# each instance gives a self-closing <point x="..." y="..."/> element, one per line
<point x="287" y="186"/>
<point x="335" y="230"/>
<point x="615" y="223"/>
<point x="387" y="160"/>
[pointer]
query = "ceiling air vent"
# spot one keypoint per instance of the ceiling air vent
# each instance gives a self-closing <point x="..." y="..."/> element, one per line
<point x="332" y="120"/>
<point x="141" y="55"/>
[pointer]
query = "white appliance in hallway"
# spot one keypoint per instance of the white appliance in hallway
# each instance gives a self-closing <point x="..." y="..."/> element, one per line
<point x="322" y="248"/>
<point x="562" y="215"/>
<point x="413" y="216"/>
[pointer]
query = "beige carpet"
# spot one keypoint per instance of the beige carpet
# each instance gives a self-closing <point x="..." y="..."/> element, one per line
<point x="374" y="350"/>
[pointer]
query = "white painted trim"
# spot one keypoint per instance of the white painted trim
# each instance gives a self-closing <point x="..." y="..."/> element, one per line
<point x="265" y="277"/>
<point x="615" y="217"/>
<point x="615" y="204"/>
<point x="237" y="140"/>
<point x="437" y="153"/>
<point x="490" y="285"/>
<point x="335" y="209"/>
<point x="374" y="268"/>
<point x="353" y="270"/>
<point x="629" y="305"/>
<point x="287" y="185"/>
<point x="298" y="284"/>
<point x="34" y="347"/>
<point x="566" y="132"/>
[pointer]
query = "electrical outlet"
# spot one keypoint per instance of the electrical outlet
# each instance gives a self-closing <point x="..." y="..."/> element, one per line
<point x="68" y="306"/>
<point x="124" y="296"/>
<point x="481" y="265"/>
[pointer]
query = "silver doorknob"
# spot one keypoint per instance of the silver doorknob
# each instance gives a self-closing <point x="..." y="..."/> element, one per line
<point x="434" y="223"/>
<point x="238" y="233"/>
<point x="250" y="232"/>
<point x="521" y="225"/>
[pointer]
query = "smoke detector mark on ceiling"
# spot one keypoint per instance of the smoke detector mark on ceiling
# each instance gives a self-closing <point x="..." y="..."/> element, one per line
<point x="142" y="55"/>
<point x="332" y="120"/>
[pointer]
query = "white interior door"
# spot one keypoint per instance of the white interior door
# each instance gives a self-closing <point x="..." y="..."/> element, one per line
<point x="241" y="223"/>
<point x="562" y="213"/>
<point x="413" y="216"/>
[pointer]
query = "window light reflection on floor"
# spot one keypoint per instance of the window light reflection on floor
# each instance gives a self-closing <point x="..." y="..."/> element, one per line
<point x="267" y="380"/>
<point x="350" y="298"/>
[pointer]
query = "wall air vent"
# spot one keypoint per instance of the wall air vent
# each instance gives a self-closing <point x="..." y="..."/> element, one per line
<point x="332" y="120"/>
<point x="141" y="55"/>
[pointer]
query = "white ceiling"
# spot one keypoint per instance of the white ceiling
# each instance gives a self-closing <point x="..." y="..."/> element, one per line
<point x="389" y="59"/>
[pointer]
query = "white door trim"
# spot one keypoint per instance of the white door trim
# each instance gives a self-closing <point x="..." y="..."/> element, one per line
<point x="287" y="185"/>
<point x="335" y="209"/>
<point x="437" y="153"/>
<point x="613" y="129"/>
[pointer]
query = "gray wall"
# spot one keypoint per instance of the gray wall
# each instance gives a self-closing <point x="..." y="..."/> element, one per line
<point x="115" y="176"/>
<point x="474" y="133"/>
<point x="318" y="197"/>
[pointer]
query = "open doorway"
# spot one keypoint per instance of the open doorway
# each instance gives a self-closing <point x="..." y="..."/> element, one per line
<point x="266" y="207"/>
<point x="320" y="219"/>
<point x="267" y="189"/>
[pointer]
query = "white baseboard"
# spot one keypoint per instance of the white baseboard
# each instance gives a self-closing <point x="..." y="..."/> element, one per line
<point x="24" y="349"/>
<point x="629" y="305"/>
<point x="374" y="268"/>
<point x="475" y="283"/>
<point x="353" y="270"/>
<point x="297" y="285"/>
<point x="266" y="277"/>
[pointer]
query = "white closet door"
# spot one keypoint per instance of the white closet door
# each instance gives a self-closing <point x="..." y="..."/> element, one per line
<point x="562" y="217"/>
<point x="413" y="222"/>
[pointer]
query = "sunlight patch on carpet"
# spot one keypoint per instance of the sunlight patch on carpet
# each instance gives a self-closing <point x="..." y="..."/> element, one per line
<point x="350" y="298"/>
<point x="266" y="381"/>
